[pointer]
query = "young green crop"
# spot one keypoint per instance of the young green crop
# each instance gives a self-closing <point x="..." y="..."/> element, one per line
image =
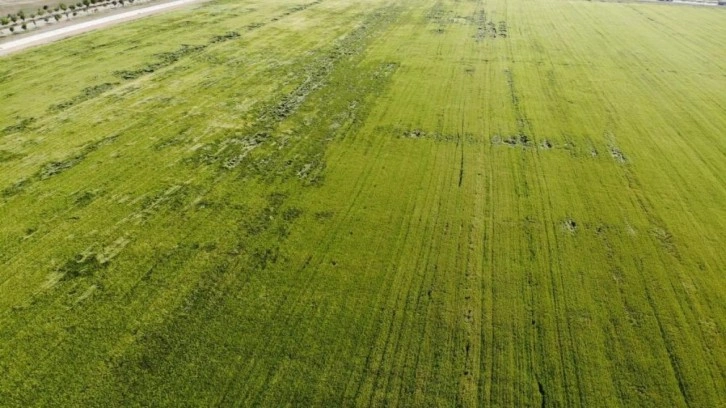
<point x="334" y="203"/>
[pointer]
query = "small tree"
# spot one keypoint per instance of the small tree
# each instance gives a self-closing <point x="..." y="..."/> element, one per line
<point x="12" y="29"/>
<point x="4" y="21"/>
<point x="24" y="27"/>
<point x="63" y="6"/>
<point x="56" y="17"/>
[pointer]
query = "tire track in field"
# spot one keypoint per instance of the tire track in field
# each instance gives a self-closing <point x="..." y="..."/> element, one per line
<point x="526" y="134"/>
<point x="403" y="226"/>
<point x="486" y="358"/>
<point x="470" y="390"/>
<point x="464" y="315"/>
<point x="425" y="330"/>
<point x="649" y="213"/>
<point x="674" y="36"/>
<point x="363" y="181"/>
<point x="614" y="355"/>
<point x="384" y="342"/>
<point x="487" y="311"/>
<point x="292" y="307"/>
<point x="296" y="310"/>
<point x="552" y="245"/>
<point x="559" y="292"/>
<point x="374" y="364"/>
<point x="431" y="266"/>
<point x="405" y="229"/>
<point x="647" y="210"/>
<point x="359" y="190"/>
<point x="407" y="341"/>
<point x="662" y="249"/>
<point x="400" y="305"/>
<point x="556" y="269"/>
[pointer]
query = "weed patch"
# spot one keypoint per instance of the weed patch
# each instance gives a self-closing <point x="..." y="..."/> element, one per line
<point x="6" y="156"/>
<point x="231" y="35"/>
<point x="82" y="265"/>
<point x="86" y="94"/>
<point x="163" y="60"/>
<point x="21" y="126"/>
<point x="618" y="155"/>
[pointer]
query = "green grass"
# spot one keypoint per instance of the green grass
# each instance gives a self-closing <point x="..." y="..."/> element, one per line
<point x="370" y="203"/>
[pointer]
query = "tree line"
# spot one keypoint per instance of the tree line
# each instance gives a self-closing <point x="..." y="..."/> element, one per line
<point x="46" y="13"/>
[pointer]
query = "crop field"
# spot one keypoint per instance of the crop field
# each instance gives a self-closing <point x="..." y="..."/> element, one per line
<point x="368" y="203"/>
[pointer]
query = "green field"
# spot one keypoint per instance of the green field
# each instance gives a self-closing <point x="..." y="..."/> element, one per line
<point x="368" y="203"/>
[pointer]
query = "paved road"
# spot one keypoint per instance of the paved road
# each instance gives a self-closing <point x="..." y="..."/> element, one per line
<point x="81" y="27"/>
